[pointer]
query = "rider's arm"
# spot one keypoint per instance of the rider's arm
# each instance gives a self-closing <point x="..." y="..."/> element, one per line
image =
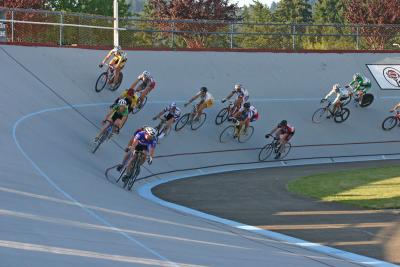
<point x="106" y="58"/>
<point x="109" y="114"/>
<point x="274" y="130"/>
<point x="329" y="94"/>
<point x="151" y="151"/>
<point x="336" y="99"/>
<point x="134" y="83"/>
<point x="194" y="98"/>
<point x="135" y="142"/>
<point x="395" y="107"/>
<point x="159" y="114"/>
<point x="230" y="95"/>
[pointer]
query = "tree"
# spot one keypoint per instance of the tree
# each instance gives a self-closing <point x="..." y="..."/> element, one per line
<point x="28" y="4"/>
<point x="293" y="11"/>
<point x="98" y="7"/>
<point x="375" y="12"/>
<point x="329" y="11"/>
<point x="196" y="10"/>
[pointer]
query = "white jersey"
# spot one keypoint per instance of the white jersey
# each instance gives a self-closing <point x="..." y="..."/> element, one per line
<point x="175" y="113"/>
<point x="343" y="93"/>
<point x="242" y="93"/>
<point x="250" y="114"/>
<point x="206" y="97"/>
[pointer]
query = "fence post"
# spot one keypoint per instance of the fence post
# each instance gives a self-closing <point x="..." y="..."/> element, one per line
<point x="173" y="35"/>
<point x="61" y="29"/>
<point x="294" y="37"/>
<point x="12" y="26"/>
<point x="232" y="31"/>
<point x="357" y="38"/>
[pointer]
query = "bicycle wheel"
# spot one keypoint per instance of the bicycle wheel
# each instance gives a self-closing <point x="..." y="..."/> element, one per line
<point x="244" y="137"/>
<point x="367" y="100"/>
<point x="182" y="122"/>
<point x="134" y="177"/>
<point x="116" y="86"/>
<point x="101" y="82"/>
<point x="139" y="107"/>
<point x="389" y="123"/>
<point x="319" y="115"/>
<point x="285" y="150"/>
<point x="222" y="116"/>
<point x="265" y="152"/>
<point x="121" y="175"/>
<point x="196" y="124"/>
<point x="227" y="134"/>
<point x="342" y="115"/>
<point x="97" y="144"/>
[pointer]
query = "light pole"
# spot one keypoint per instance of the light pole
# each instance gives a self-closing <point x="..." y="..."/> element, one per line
<point x="116" y="36"/>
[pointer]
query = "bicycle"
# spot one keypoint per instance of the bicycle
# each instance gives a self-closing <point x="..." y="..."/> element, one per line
<point x="188" y="118"/>
<point x="275" y="147"/>
<point x="223" y="114"/>
<point x="106" y="77"/>
<point x="390" y="122"/>
<point x="139" y="105"/>
<point x="339" y="116"/>
<point x="363" y="102"/>
<point x="231" y="132"/>
<point x="161" y="128"/>
<point x="132" y="171"/>
<point x="106" y="135"/>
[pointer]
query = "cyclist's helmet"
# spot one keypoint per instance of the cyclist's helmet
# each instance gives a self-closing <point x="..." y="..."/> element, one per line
<point x="150" y="131"/>
<point x="124" y="56"/>
<point x="122" y="102"/>
<point x="238" y="86"/>
<point x="146" y="74"/>
<point x="336" y="87"/>
<point x="283" y="123"/>
<point x="116" y="49"/>
<point x="203" y="89"/>
<point x="246" y="105"/>
<point x="356" y="76"/>
<point x="173" y="105"/>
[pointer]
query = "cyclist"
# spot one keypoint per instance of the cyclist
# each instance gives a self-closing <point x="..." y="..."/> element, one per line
<point x="395" y="108"/>
<point x="117" y="62"/>
<point x="245" y="115"/>
<point x="144" y="139"/>
<point x="284" y="132"/>
<point x="361" y="85"/>
<point x="206" y="101"/>
<point x="171" y="114"/>
<point x="130" y="96"/>
<point x="242" y="95"/>
<point x="340" y="95"/>
<point x="146" y="86"/>
<point x="117" y="115"/>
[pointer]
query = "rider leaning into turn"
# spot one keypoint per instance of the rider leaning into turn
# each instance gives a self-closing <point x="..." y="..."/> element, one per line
<point x="395" y="108"/>
<point x="147" y="84"/>
<point x="245" y="115"/>
<point x="130" y="96"/>
<point x="171" y="114"/>
<point x="284" y="132"/>
<point x="144" y="140"/>
<point x="242" y="95"/>
<point x="118" y="115"/>
<point x="340" y="95"/>
<point x="360" y="84"/>
<point x="117" y="62"/>
<point x="206" y="101"/>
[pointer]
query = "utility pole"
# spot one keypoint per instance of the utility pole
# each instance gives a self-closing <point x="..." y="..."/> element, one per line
<point x="116" y="36"/>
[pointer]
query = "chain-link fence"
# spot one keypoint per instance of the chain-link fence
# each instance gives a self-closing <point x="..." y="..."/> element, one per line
<point x="59" y="28"/>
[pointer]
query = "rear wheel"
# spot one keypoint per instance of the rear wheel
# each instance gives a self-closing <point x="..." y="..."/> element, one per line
<point x="227" y="134"/>
<point x="285" y="150"/>
<point x="196" y="124"/>
<point x="182" y="122"/>
<point x="135" y="174"/>
<point x="116" y="86"/>
<point x="101" y="82"/>
<point x="389" y="123"/>
<point x="139" y="106"/>
<point x="222" y="116"/>
<point x="244" y="137"/>
<point x="265" y="152"/>
<point x="346" y="101"/>
<point x="367" y="100"/>
<point x="342" y="115"/>
<point x="319" y="115"/>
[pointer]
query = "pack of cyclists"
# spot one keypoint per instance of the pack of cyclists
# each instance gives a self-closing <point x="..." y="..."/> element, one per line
<point x="241" y="110"/>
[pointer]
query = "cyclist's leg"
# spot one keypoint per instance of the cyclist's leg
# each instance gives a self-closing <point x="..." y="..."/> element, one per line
<point x="143" y="94"/>
<point x="200" y="107"/>
<point x="103" y="128"/>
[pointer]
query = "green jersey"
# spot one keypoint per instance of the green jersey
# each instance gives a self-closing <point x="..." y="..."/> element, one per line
<point x="363" y="84"/>
<point x="124" y="113"/>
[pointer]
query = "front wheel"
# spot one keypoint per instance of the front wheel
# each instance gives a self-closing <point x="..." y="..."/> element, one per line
<point x="389" y="123"/>
<point x="101" y="82"/>
<point x="342" y="115"/>
<point x="244" y="137"/>
<point x="222" y="116"/>
<point x="319" y="115"/>
<point x="182" y="122"/>
<point x="197" y="123"/>
<point x="227" y="134"/>
<point x="265" y="152"/>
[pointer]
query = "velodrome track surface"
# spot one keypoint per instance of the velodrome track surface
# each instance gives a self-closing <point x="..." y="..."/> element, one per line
<point x="57" y="209"/>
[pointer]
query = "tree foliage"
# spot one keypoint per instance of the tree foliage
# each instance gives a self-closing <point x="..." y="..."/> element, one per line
<point x="196" y="10"/>
<point x="98" y="7"/>
<point x="329" y="11"/>
<point x="293" y="11"/>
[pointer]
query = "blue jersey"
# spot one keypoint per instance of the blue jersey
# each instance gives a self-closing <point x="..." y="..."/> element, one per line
<point x="140" y="136"/>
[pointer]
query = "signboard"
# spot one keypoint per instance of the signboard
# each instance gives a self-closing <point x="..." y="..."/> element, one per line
<point x="3" y="29"/>
<point x="386" y="75"/>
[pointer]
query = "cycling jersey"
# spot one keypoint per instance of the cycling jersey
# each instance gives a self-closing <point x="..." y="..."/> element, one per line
<point x="242" y="93"/>
<point x="144" y="144"/>
<point x="175" y="114"/>
<point x="341" y="95"/>
<point x="149" y="81"/>
<point x="286" y="129"/>
<point x="250" y="114"/>
<point x="205" y="97"/>
<point x="361" y="84"/>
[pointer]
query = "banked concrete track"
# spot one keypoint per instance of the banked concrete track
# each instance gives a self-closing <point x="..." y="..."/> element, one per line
<point x="57" y="209"/>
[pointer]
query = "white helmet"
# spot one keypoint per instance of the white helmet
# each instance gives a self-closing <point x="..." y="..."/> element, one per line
<point x="122" y="102"/>
<point x="173" y="105"/>
<point x="238" y="86"/>
<point x="116" y="48"/>
<point x="150" y="131"/>
<point x="146" y="74"/>
<point x="336" y="87"/>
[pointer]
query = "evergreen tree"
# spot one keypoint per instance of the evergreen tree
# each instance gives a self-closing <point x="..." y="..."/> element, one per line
<point x="329" y="11"/>
<point x="293" y="11"/>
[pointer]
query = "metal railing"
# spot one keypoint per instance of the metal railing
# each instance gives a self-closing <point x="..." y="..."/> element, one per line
<point x="59" y="28"/>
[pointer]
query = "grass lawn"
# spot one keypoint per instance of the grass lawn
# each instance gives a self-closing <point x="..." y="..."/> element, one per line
<point x="374" y="188"/>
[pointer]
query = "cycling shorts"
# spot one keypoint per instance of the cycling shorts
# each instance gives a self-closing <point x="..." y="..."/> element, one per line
<point x="170" y="116"/>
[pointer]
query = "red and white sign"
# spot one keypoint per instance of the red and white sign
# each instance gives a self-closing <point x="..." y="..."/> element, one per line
<point x="386" y="75"/>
